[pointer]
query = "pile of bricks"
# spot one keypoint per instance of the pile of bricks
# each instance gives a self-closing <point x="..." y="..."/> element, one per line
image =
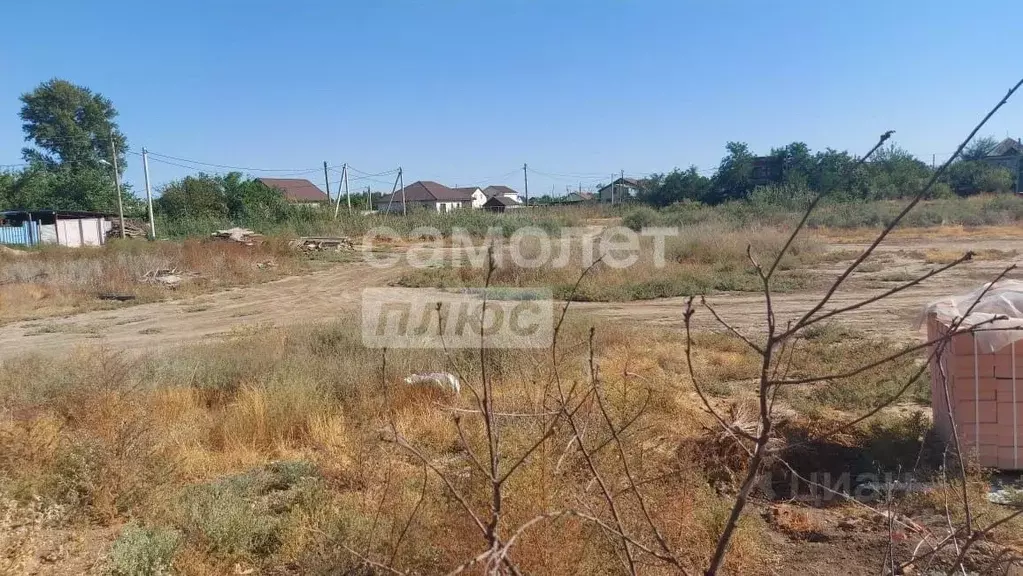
<point x="986" y="393"/>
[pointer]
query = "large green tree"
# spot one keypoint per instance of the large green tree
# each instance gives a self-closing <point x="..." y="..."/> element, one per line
<point x="676" y="186"/>
<point x="734" y="178"/>
<point x="979" y="148"/>
<point x="71" y="129"/>
<point x="70" y="126"/>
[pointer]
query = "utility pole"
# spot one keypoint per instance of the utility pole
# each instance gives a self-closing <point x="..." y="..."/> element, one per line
<point x="612" y="189"/>
<point x="348" y="196"/>
<point x="326" y="181"/>
<point x="933" y="156"/>
<point x="344" y="176"/>
<point x="525" y="181"/>
<point x="621" y="181"/>
<point x="149" y="195"/>
<point x="369" y="199"/>
<point x="401" y="182"/>
<point x="117" y="182"/>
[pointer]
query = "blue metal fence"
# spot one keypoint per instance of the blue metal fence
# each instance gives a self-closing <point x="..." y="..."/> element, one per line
<point x="27" y="234"/>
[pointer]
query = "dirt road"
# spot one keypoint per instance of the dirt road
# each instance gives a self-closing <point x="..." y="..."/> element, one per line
<point x="325" y="295"/>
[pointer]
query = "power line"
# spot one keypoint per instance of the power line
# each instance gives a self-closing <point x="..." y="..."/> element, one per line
<point x="388" y="172"/>
<point x="230" y="167"/>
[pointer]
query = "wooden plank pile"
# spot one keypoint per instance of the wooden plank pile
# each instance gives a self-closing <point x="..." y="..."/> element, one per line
<point x="240" y="235"/>
<point x="132" y="229"/>
<point x="324" y="243"/>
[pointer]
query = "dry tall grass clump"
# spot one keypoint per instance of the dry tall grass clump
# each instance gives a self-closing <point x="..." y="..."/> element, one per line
<point x="302" y="450"/>
<point x="56" y="280"/>
<point x="701" y="259"/>
<point x="274" y="449"/>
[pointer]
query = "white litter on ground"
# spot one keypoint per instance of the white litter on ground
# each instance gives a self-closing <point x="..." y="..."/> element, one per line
<point x="443" y="380"/>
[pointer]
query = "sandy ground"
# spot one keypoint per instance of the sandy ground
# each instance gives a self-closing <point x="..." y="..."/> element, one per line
<point x="325" y="295"/>
<point x="893" y="264"/>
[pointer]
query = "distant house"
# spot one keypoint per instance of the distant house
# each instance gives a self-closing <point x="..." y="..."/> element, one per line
<point x="297" y="190"/>
<point x="500" y="203"/>
<point x="425" y="194"/>
<point x="577" y="197"/>
<point x="1009" y="155"/>
<point x="503" y="191"/>
<point x="478" y="196"/>
<point x="620" y="189"/>
<point x="767" y="170"/>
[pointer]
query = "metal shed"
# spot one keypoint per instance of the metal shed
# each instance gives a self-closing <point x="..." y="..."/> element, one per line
<point x="64" y="227"/>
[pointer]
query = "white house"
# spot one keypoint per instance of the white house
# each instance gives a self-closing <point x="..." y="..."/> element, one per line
<point x="502" y="191"/>
<point x="474" y="192"/>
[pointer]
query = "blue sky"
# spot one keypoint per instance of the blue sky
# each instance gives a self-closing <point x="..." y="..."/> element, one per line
<point x="464" y="92"/>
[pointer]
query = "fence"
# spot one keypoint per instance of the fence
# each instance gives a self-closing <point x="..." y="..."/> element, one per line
<point x="27" y="234"/>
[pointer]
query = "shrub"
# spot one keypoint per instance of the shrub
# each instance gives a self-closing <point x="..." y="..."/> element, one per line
<point x="140" y="551"/>
<point x="243" y="514"/>
<point x="640" y="218"/>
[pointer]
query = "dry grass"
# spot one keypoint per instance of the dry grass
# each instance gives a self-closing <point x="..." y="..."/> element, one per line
<point x="273" y="451"/>
<point x="702" y="259"/>
<point x="156" y="438"/>
<point x="55" y="280"/>
<point x="861" y="235"/>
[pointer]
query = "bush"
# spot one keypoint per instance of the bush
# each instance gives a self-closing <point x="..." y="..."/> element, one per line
<point x="640" y="218"/>
<point x="140" y="551"/>
<point x="243" y="514"/>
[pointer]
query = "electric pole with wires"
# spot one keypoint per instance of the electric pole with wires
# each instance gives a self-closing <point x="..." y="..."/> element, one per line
<point x="525" y="180"/>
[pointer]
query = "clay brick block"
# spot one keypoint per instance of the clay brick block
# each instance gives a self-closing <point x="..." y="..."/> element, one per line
<point x="987" y="455"/>
<point x="969" y="412"/>
<point x="1005" y="390"/>
<point x="964" y="365"/>
<point x="987" y="389"/>
<point x="961" y="345"/>
<point x="1007" y="459"/>
<point x="1004" y="366"/>
<point x="1007" y="433"/>
<point x="989" y="435"/>
<point x="1005" y="413"/>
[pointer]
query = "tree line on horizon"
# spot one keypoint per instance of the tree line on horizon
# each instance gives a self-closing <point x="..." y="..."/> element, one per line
<point x="76" y="141"/>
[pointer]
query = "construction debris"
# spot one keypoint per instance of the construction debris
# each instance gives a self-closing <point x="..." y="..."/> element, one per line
<point x="442" y="380"/>
<point x="324" y="243"/>
<point x="241" y="235"/>
<point x="132" y="229"/>
<point x="117" y="297"/>
<point x="165" y="277"/>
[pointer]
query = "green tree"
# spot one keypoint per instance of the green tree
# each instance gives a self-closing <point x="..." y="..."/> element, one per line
<point x="200" y="196"/>
<point x="979" y="148"/>
<point x="895" y="173"/>
<point x="797" y="164"/>
<point x="833" y="171"/>
<point x="7" y="181"/>
<point x="675" y="186"/>
<point x="70" y="126"/>
<point x="734" y="178"/>
<point x="251" y="200"/>
<point x="967" y="177"/>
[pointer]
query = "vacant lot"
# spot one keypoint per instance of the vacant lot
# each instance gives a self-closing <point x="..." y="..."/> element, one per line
<point x="325" y="294"/>
<point x="54" y="281"/>
<point x="249" y="429"/>
<point x="298" y="451"/>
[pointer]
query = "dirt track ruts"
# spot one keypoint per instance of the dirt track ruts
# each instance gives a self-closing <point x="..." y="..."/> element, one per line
<point x="325" y="295"/>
